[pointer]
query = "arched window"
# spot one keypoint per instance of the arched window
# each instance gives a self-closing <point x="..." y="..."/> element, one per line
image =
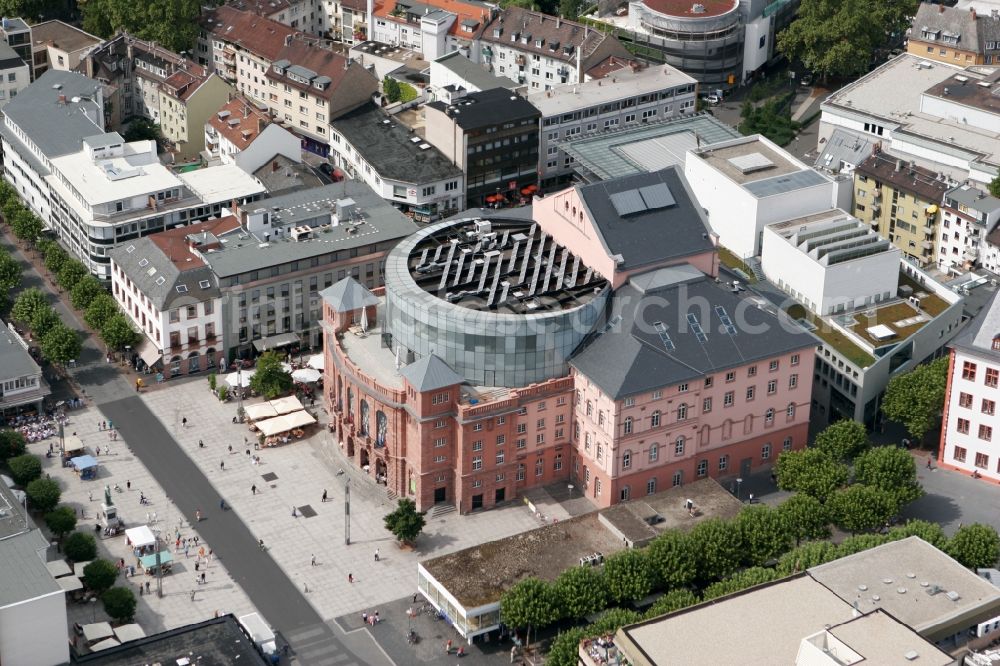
<point x="654" y="452"/>
<point x="654" y="419"/>
<point x="590" y="408"/>
<point x="679" y="445"/>
<point x="628" y="425"/>
<point x="627" y="460"/>
<point x="790" y="410"/>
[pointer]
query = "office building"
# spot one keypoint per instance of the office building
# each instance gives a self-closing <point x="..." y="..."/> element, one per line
<point x="59" y="45"/>
<point x="243" y="134"/>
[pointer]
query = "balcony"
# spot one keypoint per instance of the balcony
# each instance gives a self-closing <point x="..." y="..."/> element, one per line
<point x="928" y="230"/>
<point x="927" y="244"/>
<point x="520" y="61"/>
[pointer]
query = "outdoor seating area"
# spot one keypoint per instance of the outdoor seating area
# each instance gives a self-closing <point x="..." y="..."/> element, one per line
<point x="279" y="421"/>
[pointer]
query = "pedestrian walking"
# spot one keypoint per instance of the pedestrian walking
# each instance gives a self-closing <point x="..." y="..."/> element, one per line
<point x="128" y="485"/>
<point x="201" y="444"/>
<point x="197" y="515"/>
<point x="192" y="593"/>
<point x="324" y="495"/>
<point x="376" y="554"/>
<point x="222" y="465"/>
<point x="186" y="549"/>
<point x="929" y="463"/>
<point x="203" y="577"/>
<point x="177" y="545"/>
<point x="295" y="514"/>
<point x="230" y="449"/>
<point x="91" y="495"/>
<point x="253" y="489"/>
<point x="350" y="578"/>
<point x="140" y="589"/>
<point x="313" y="562"/>
<point x="184" y="422"/>
<point x="98" y="450"/>
<point x="111" y="425"/>
<point x="147" y="587"/>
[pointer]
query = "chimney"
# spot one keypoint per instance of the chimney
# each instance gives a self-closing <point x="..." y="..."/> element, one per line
<point x="940" y="9"/>
<point x="261" y="124"/>
<point x="274" y="166"/>
<point x="62" y="99"/>
<point x="559" y="21"/>
<point x="972" y="10"/>
<point x="899" y="165"/>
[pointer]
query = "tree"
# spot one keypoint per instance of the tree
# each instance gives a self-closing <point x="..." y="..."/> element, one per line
<point x="54" y="259"/>
<point x="171" y="23"/>
<point x="994" y="187"/>
<point x="628" y="576"/>
<point x="119" y="603"/>
<point x="80" y="547"/>
<point x="391" y="89"/>
<point x="672" y="559"/>
<point x="975" y="546"/>
<point x="843" y="440"/>
<point x="809" y="554"/>
<point x="860" y="508"/>
<point x="26" y="226"/>
<point x="530" y="603"/>
<point x="838" y="37"/>
<point x="61" y="521"/>
<point x="773" y="119"/>
<point x="27" y="303"/>
<point x="565" y="648"/>
<point x="718" y="546"/>
<point x="100" y="575"/>
<point x="43" y="494"/>
<point x="811" y="471"/>
<point x="35" y="9"/>
<point x="405" y="522"/>
<point x="739" y="582"/>
<point x="674" y="600"/>
<point x="569" y="9"/>
<point x="805" y="517"/>
<point x="270" y="380"/>
<point x="142" y="129"/>
<point x="763" y="533"/>
<point x="25" y="468"/>
<point x="580" y="591"/>
<point x="10" y="273"/>
<point x="612" y="620"/>
<point x="916" y="398"/>
<point x="118" y="333"/>
<point x="407" y="93"/>
<point x="71" y="272"/>
<point x="83" y="293"/>
<point x="100" y="310"/>
<point x="12" y="444"/>
<point x="929" y="532"/>
<point x="60" y="345"/>
<point x="43" y="321"/>
<point x="859" y="543"/>
<point x="890" y="469"/>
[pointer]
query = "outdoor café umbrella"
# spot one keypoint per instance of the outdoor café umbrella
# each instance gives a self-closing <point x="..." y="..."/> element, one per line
<point x="306" y="375"/>
<point x="240" y="379"/>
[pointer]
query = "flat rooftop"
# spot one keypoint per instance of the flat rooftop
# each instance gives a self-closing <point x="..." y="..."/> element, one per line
<point x="368" y="352"/>
<point x="833" y="237"/>
<point x="759" y="167"/>
<point x="221" y="183"/>
<point x="969" y="88"/>
<point x="404" y="56"/>
<point x="904" y="175"/>
<point x="62" y="36"/>
<point x="685" y="8"/>
<point x="504" y="266"/>
<point x="881" y="639"/>
<point x="136" y="173"/>
<point x="621" y="84"/>
<point x="480" y="575"/>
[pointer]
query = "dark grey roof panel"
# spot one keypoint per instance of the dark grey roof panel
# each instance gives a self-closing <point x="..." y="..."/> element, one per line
<point x="348" y="295"/>
<point x="430" y="374"/>
<point x="785" y="183"/>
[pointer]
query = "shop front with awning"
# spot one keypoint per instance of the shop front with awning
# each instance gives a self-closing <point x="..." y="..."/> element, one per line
<point x="275" y="342"/>
<point x="149" y="352"/>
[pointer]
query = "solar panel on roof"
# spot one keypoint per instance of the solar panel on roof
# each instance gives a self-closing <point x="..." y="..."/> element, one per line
<point x="628" y="202"/>
<point x="657" y="196"/>
<point x="696" y="328"/>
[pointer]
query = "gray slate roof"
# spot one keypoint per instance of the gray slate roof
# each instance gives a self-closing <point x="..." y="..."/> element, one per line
<point x="25" y="575"/>
<point x="56" y="128"/>
<point x="15" y="361"/>
<point x="631" y="358"/>
<point x="678" y="230"/>
<point x="951" y="20"/>
<point x="140" y="256"/>
<point x="430" y="374"/>
<point x="978" y="335"/>
<point x="474" y="72"/>
<point x="844" y="146"/>
<point x="8" y="57"/>
<point x="348" y="295"/>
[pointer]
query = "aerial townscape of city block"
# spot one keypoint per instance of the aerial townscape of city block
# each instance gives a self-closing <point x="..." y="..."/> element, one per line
<point x="562" y="333"/>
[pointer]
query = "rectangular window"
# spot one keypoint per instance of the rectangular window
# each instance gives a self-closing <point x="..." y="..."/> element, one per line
<point x="992" y="376"/>
<point x="477" y="445"/>
<point x="962" y="426"/>
<point x="793" y="381"/>
<point x="540" y="438"/>
<point x="772" y="387"/>
<point x="730" y="376"/>
<point x="959" y="455"/>
<point x="500" y="457"/>
<point x="540" y="424"/>
<point x="985" y="432"/>
<point x="522" y="428"/>
<point x="501" y="420"/>
<point x="723" y="463"/>
<point x="521" y="443"/>
<point x="440" y="459"/>
<point x="965" y="400"/>
<point x="477" y="462"/>
<point x="786" y="445"/>
<point x="630" y="402"/>
<point x="654" y="452"/>
<point x="706" y="405"/>
<point x="440" y="442"/>
<point x="651" y="486"/>
<point x="795" y="359"/>
<point x="708" y="382"/>
<point x="982" y="460"/>
<point x="501" y="440"/>
<point x="727" y="399"/>
<point x="989" y="407"/>
<point x="477" y="427"/>
<point x="681" y="388"/>
<point x="773" y="365"/>
<point x="765" y="452"/>
<point x="520" y="473"/>
<point x="627" y="460"/>
<point x="750" y="393"/>
<point x="969" y="371"/>
<point x="702" y="468"/>
<point x="752" y="371"/>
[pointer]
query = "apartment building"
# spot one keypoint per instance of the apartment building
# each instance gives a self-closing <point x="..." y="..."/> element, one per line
<point x="308" y="16"/>
<point x="242" y="133"/>
<point x="15" y="74"/>
<point x="625" y="97"/>
<point x="542" y="51"/>
<point x="430" y="28"/>
<point x="17" y="33"/>
<point x="958" y="36"/>
<point x="347" y="20"/>
<point x="58" y="45"/>
<point x="188" y="98"/>
<point x="970" y="419"/>
<point x="989" y="255"/>
<point x="22" y="386"/>
<point x="492" y="136"/>
<point x="902" y="202"/>
<point x="309" y="86"/>
<point x="399" y="165"/>
<point x="968" y="216"/>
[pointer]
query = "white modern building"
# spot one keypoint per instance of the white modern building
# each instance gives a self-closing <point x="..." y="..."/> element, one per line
<point x="989" y="256"/>
<point x="970" y="423"/>
<point x="747" y="183"/>
<point x="830" y="262"/>
<point x="15" y="74"/>
<point x="968" y="215"/>
<point x="628" y="96"/>
<point x="242" y="133"/>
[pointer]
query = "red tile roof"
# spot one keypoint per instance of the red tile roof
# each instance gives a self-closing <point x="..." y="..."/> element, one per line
<point x="684" y="8"/>
<point x="261" y="36"/>
<point x="173" y="245"/>
<point x="465" y="11"/>
<point x="182" y="83"/>
<point x="249" y="127"/>
<point x="320" y="60"/>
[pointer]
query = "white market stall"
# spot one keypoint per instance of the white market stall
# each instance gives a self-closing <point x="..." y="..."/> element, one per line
<point x="260" y="411"/>
<point x="140" y="537"/>
<point x="240" y="379"/>
<point x="317" y="361"/>
<point x="286" y="405"/>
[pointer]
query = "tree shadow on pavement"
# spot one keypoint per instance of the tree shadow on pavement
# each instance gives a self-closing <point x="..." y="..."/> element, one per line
<point x="932" y="507"/>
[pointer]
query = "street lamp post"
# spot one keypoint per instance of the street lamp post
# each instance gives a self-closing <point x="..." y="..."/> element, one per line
<point x="93" y="608"/>
<point x="347" y="512"/>
<point x="239" y="389"/>
<point x="739" y="489"/>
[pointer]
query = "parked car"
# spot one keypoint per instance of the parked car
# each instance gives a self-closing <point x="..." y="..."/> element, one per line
<point x="807" y="80"/>
<point x="711" y="99"/>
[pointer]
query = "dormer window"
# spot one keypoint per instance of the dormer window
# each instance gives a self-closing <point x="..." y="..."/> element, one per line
<point x="497" y="32"/>
<point x="996" y="342"/>
<point x="279" y="70"/>
<point x="538" y="43"/>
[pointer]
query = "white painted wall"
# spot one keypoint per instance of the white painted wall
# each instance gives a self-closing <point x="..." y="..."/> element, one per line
<point x="274" y="140"/>
<point x="34" y="633"/>
<point x="971" y="442"/>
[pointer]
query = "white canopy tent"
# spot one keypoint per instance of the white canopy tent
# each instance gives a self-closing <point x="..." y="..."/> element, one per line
<point x="286" y="405"/>
<point x="140" y="536"/>
<point x="307" y="375"/>
<point x="70" y="583"/>
<point x="78" y="567"/>
<point x="97" y="631"/>
<point x="285" y="423"/>
<point x="317" y="361"/>
<point x="129" y="632"/>
<point x="260" y="411"/>
<point x="240" y="379"/>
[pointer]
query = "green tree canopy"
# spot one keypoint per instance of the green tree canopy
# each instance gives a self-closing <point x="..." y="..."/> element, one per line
<point x="975" y="546"/>
<point x="61" y="521"/>
<point x="859" y="543"/>
<point x="43" y="494"/>
<point x="838" y="37"/>
<point x="35" y="10"/>
<point x="805" y="517"/>
<point x="25" y="468"/>
<point x="928" y="531"/>
<point x="717" y="544"/>
<point x="916" y="398"/>
<point x="627" y="575"/>
<point x="61" y="345"/>
<point x="811" y="471"/>
<point x="843" y="440"/>
<point x="672" y="559"/>
<point x="580" y="592"/>
<point x="118" y="333"/>
<point x="171" y="23"/>
<point x="674" y="600"/>
<point x="614" y="619"/>
<point x="27" y="303"/>
<point x="391" y="89"/>
<point x="995" y="187"/>
<point x="890" y="469"/>
<point x="406" y="523"/>
<point x="43" y="321"/>
<point x="83" y="293"/>
<point x="772" y="118"/>
<point x="570" y="9"/>
<point x="71" y="272"/>
<point x="10" y="273"/>
<point x="55" y="258"/>
<point x="564" y="650"/>
<point x="12" y="444"/>
<point x="763" y="532"/>
<point x="99" y="575"/>
<point x="530" y="603"/>
<point x="860" y="508"/>
<point x="739" y="581"/>
<point x="119" y="603"/>
<point x="26" y="226"/>
<point x="270" y="379"/>
<point x="809" y="554"/>
<point x="142" y="129"/>
<point x="100" y="310"/>
<point x="80" y="547"/>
